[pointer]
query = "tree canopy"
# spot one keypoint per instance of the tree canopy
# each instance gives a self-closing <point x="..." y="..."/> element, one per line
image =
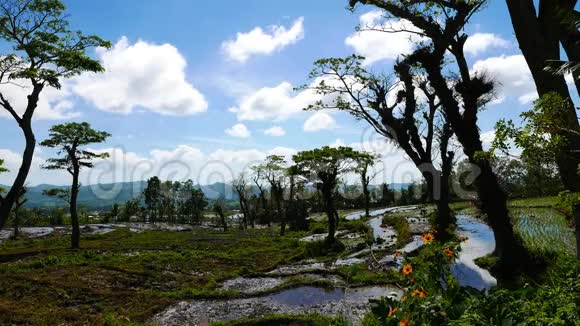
<point x="68" y="138"/>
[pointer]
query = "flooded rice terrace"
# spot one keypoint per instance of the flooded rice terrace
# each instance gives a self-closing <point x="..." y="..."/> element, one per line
<point x="262" y="298"/>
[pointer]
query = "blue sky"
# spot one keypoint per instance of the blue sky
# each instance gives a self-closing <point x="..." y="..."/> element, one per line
<point x="162" y="124"/>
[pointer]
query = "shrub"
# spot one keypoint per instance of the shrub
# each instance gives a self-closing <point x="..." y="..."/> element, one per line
<point x="323" y="248"/>
<point x="400" y="224"/>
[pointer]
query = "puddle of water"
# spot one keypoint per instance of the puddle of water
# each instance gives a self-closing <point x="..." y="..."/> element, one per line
<point x="307" y="296"/>
<point x="481" y="243"/>
<point x="376" y="212"/>
<point x="388" y="234"/>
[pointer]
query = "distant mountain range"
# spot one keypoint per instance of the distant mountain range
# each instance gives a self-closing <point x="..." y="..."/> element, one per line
<point x="104" y="196"/>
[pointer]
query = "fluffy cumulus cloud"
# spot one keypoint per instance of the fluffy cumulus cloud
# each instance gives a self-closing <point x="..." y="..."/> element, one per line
<point x="481" y="42"/>
<point x="260" y="42"/>
<point x="275" y="131"/>
<point x="144" y="76"/>
<point x="281" y="102"/>
<point x="53" y="104"/>
<point x="377" y="45"/>
<point x="276" y="103"/>
<point x="239" y="130"/>
<point x="319" y="121"/>
<point x="512" y="75"/>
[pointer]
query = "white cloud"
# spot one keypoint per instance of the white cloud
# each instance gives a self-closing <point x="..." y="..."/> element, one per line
<point x="260" y="42"/>
<point x="275" y="131"/>
<point x="512" y="76"/>
<point x="276" y="103"/>
<point x="238" y="130"/>
<point x="53" y="104"/>
<point x="480" y="42"/>
<point x="379" y="45"/>
<point x="487" y="137"/>
<point x="141" y="76"/>
<point x="319" y="121"/>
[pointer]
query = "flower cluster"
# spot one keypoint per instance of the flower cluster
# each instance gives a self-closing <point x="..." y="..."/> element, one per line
<point x="427" y="278"/>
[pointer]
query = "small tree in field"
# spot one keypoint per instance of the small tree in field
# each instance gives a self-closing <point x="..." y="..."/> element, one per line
<point x="323" y="166"/>
<point x="16" y="211"/>
<point x="42" y="50"/>
<point x="363" y="164"/>
<point x="69" y="138"/>
<point x="2" y="170"/>
<point x="273" y="170"/>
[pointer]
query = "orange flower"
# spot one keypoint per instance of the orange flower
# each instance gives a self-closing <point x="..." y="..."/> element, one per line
<point x="392" y="312"/>
<point x="428" y="238"/>
<point x="404" y="322"/>
<point x="419" y="293"/>
<point x="407" y="269"/>
<point x="448" y="252"/>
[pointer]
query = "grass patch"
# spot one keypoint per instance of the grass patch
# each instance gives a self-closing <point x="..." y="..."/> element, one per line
<point x="400" y="224"/>
<point x="359" y="274"/>
<point x="287" y="320"/>
<point x="127" y="276"/>
<point x="544" y="230"/>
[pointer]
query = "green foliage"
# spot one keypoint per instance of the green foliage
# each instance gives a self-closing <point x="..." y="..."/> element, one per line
<point x="128" y="276"/>
<point x="2" y="169"/>
<point x="544" y="231"/>
<point x="323" y="248"/>
<point x="360" y="274"/>
<point x="433" y="297"/>
<point x="400" y="224"/>
<point x="45" y="48"/>
<point x="287" y="320"/>
<point x="432" y="293"/>
<point x="566" y="202"/>
<point x="68" y="138"/>
<point x="59" y="193"/>
<point x="540" y="138"/>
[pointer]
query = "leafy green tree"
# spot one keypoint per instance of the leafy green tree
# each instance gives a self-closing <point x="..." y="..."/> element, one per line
<point x="2" y="170"/>
<point x="387" y="195"/>
<point x="196" y="204"/>
<point x="541" y="33"/>
<point x="296" y="210"/>
<point x="44" y="50"/>
<point x="273" y="170"/>
<point x="239" y="185"/>
<point x="219" y="208"/>
<point x="69" y="138"/>
<point x="363" y="164"/>
<point x="323" y="166"/>
<point x="152" y="197"/>
<point x="540" y="137"/>
<point x="131" y="208"/>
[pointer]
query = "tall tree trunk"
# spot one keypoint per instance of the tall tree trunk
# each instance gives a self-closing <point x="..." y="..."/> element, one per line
<point x="76" y="232"/>
<point x="14" y="192"/>
<point x="445" y="220"/>
<point x="539" y="39"/>
<point x="281" y="212"/>
<point x="327" y="194"/>
<point x="16" y="223"/>
<point x="222" y="217"/>
<point x="367" y="198"/>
